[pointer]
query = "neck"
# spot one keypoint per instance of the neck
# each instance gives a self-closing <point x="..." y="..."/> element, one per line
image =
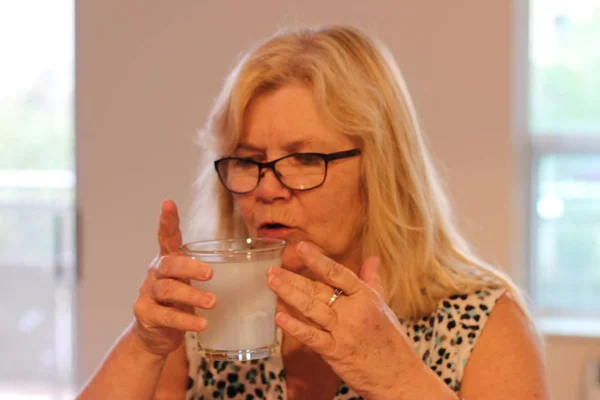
<point x="352" y="259"/>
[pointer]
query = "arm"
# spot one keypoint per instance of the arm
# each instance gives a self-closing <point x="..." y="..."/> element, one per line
<point x="130" y="372"/>
<point x="148" y="360"/>
<point x="506" y="362"/>
<point x="127" y="372"/>
<point x="173" y="380"/>
<point x="358" y="336"/>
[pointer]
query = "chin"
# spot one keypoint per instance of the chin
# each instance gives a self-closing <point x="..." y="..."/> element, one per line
<point x="290" y="260"/>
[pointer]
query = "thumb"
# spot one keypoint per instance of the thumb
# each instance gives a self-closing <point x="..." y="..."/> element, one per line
<point x="169" y="235"/>
<point x="369" y="273"/>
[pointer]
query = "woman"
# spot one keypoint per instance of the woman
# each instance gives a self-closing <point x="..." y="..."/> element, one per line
<point x="321" y="126"/>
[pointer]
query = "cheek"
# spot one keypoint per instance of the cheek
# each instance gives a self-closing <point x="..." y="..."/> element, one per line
<point x="338" y="213"/>
<point x="243" y="205"/>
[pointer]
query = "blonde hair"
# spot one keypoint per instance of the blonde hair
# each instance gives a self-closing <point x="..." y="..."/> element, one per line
<point x="359" y="87"/>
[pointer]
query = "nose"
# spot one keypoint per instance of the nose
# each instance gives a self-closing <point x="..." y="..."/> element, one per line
<point x="270" y="188"/>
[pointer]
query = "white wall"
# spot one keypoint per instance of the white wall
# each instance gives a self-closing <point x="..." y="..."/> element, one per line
<point x="147" y="73"/>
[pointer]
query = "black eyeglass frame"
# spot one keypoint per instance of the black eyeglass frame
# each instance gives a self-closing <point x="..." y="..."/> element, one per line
<point x="327" y="157"/>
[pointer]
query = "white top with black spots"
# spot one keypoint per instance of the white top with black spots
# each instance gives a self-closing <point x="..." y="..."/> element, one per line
<point x="444" y="340"/>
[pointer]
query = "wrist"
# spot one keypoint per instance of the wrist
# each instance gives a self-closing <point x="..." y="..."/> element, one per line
<point x="141" y="351"/>
<point x="423" y="383"/>
<point x="413" y="379"/>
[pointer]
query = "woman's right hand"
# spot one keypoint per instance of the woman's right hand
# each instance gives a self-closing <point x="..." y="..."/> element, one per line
<point x="164" y="307"/>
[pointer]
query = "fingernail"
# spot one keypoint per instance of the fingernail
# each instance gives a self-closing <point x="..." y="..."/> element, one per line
<point x="206" y="272"/>
<point x="378" y="264"/>
<point x="202" y="324"/>
<point x="302" y="248"/>
<point x="210" y="299"/>
<point x="274" y="281"/>
<point x="282" y="318"/>
<point x="273" y="271"/>
<point x="163" y="206"/>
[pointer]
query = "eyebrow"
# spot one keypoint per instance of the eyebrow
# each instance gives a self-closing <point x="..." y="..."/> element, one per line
<point x="249" y="147"/>
<point x="292" y="147"/>
<point x="297" y="145"/>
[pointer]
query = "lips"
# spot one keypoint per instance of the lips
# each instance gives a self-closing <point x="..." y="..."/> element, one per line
<point x="273" y="225"/>
<point x="274" y="229"/>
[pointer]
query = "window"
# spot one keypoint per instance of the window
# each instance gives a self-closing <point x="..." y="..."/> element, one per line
<point x="564" y="126"/>
<point x="37" y="183"/>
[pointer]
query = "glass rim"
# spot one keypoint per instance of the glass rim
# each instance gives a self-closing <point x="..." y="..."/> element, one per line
<point x="275" y="244"/>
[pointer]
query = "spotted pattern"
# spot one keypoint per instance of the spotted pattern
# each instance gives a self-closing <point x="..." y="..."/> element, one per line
<point x="444" y="340"/>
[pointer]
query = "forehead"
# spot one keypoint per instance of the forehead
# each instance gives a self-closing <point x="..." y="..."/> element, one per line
<point x="289" y="117"/>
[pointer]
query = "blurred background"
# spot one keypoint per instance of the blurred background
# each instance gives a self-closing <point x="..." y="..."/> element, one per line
<point x="100" y="102"/>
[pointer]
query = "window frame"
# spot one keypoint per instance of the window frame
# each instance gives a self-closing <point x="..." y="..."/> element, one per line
<point x="530" y="148"/>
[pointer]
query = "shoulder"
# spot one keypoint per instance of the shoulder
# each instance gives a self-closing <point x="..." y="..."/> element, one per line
<point x="507" y="359"/>
<point x="445" y="338"/>
<point x="479" y="302"/>
<point x="467" y="314"/>
<point x="458" y="315"/>
<point x="507" y="328"/>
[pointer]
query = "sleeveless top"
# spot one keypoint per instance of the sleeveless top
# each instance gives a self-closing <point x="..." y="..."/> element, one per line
<point x="444" y="340"/>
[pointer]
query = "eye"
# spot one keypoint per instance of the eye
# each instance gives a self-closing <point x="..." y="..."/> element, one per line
<point x="242" y="163"/>
<point x="308" y="159"/>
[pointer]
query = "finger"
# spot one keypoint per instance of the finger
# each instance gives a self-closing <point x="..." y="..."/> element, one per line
<point x="159" y="316"/>
<point x="314" y="289"/>
<point x="369" y="273"/>
<point x="181" y="267"/>
<point x="315" y="310"/>
<point x="177" y="319"/>
<point x="171" y="291"/>
<point x="316" y="339"/>
<point x="332" y="273"/>
<point x="169" y="235"/>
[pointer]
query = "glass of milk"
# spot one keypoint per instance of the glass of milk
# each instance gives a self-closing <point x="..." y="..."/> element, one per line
<point x="241" y="326"/>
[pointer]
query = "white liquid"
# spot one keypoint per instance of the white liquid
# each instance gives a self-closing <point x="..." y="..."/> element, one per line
<point x="244" y="316"/>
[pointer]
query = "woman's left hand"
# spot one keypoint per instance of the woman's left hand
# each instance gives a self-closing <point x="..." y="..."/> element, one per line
<point x="359" y="336"/>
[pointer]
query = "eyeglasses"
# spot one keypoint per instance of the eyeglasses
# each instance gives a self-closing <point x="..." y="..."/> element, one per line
<point x="299" y="171"/>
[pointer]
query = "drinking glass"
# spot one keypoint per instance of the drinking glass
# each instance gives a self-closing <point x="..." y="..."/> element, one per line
<point x="241" y="326"/>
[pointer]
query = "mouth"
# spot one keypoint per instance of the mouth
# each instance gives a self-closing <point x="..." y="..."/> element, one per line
<point x="274" y="230"/>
